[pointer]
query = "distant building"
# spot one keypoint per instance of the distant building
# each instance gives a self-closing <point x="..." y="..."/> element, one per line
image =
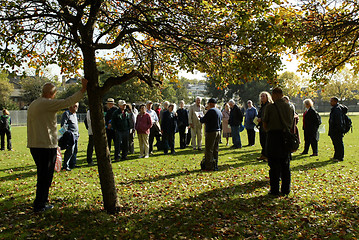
<point x="16" y="95"/>
<point x="195" y="90"/>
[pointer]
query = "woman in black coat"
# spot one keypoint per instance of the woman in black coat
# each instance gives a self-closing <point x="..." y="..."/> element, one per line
<point x="169" y="128"/>
<point x="265" y="99"/>
<point x="311" y="122"/>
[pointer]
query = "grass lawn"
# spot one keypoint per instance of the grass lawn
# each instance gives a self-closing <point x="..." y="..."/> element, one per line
<point x="168" y="197"/>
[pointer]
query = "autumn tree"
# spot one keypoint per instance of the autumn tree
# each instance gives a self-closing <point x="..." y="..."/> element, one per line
<point x="290" y="83"/>
<point x="5" y="90"/>
<point x="325" y="36"/>
<point x="152" y="39"/>
<point x="32" y="87"/>
<point x="344" y="85"/>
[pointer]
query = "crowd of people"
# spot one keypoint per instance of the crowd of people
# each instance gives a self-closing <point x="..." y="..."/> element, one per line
<point x="149" y="122"/>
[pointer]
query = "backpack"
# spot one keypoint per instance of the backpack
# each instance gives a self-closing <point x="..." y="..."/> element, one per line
<point x="4" y="123"/>
<point x="319" y="119"/>
<point x="347" y="122"/>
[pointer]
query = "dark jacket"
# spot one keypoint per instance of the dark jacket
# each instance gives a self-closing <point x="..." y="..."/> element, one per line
<point x="236" y="116"/>
<point x="108" y="115"/>
<point x="182" y="117"/>
<point x="212" y="120"/>
<point x="310" y="121"/>
<point x="120" y="122"/>
<point x="169" y="122"/>
<point x="261" y="114"/>
<point x="336" y="121"/>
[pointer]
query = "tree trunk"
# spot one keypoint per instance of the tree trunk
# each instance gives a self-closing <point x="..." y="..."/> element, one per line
<point x="107" y="179"/>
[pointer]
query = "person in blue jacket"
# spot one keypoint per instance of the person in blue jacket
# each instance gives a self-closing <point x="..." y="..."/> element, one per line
<point x="249" y="124"/>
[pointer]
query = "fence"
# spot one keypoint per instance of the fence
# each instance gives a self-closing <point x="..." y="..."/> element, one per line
<point x="19" y="117"/>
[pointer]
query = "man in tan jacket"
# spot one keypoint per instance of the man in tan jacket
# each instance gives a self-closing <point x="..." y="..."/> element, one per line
<point x="42" y="137"/>
<point x="196" y="110"/>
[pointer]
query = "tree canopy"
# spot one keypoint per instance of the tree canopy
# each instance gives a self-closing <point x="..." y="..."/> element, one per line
<point x="325" y="36"/>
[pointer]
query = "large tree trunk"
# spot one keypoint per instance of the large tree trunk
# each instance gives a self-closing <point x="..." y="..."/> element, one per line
<point x="107" y="180"/>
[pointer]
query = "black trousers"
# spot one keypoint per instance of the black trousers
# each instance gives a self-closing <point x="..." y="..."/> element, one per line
<point x="278" y="161"/>
<point x="262" y="140"/>
<point x="111" y="136"/>
<point x="251" y="136"/>
<point x="152" y="137"/>
<point x="338" y="146"/>
<point x="183" y="136"/>
<point x="310" y="139"/>
<point x="121" y="144"/>
<point x="90" y="146"/>
<point x="6" y="132"/>
<point x="169" y="142"/>
<point x="45" y="159"/>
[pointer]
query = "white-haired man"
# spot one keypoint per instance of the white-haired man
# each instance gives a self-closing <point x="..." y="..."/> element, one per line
<point x="42" y="137"/>
<point x="196" y="110"/>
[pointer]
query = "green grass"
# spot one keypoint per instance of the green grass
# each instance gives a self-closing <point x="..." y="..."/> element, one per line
<point x="168" y="197"/>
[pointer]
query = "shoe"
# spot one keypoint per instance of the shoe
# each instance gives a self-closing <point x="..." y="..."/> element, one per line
<point x="303" y="153"/>
<point x="66" y="169"/>
<point x="262" y="157"/>
<point x="146" y="156"/>
<point x="314" y="154"/>
<point x="194" y="148"/>
<point x="90" y="164"/>
<point x="199" y="149"/>
<point x="337" y="160"/>
<point x="47" y="207"/>
<point x="141" y="156"/>
<point x="124" y="158"/>
<point x="173" y="153"/>
<point x="273" y="194"/>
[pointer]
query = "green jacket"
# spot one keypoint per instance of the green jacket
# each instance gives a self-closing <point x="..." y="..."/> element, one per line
<point x="119" y="121"/>
<point x="8" y="120"/>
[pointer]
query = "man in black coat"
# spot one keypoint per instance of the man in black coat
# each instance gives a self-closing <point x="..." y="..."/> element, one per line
<point x="311" y="122"/>
<point x="235" y="120"/>
<point x="336" y="129"/>
<point x="110" y="109"/>
<point x="169" y="128"/>
<point x="182" y="121"/>
<point x="212" y="120"/>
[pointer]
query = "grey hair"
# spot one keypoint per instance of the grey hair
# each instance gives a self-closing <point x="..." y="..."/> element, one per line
<point x="198" y="97"/>
<point x="232" y="101"/>
<point x="308" y="102"/>
<point x="166" y="104"/>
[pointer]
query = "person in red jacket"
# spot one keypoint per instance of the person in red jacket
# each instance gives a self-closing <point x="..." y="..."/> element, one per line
<point x="143" y="125"/>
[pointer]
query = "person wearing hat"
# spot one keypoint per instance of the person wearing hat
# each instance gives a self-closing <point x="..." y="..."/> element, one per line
<point x="110" y="109"/>
<point x="212" y="120"/>
<point x="120" y="122"/>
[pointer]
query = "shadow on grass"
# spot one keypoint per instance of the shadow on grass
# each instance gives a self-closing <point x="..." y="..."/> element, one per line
<point x="234" y="212"/>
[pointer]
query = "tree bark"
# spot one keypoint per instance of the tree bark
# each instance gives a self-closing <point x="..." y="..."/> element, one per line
<point x="107" y="180"/>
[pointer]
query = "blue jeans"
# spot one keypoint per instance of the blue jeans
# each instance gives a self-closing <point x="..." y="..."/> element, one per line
<point x="70" y="156"/>
<point x="121" y="144"/>
<point x="236" y="138"/>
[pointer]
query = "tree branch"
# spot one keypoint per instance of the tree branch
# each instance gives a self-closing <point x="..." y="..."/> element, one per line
<point x="113" y="81"/>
